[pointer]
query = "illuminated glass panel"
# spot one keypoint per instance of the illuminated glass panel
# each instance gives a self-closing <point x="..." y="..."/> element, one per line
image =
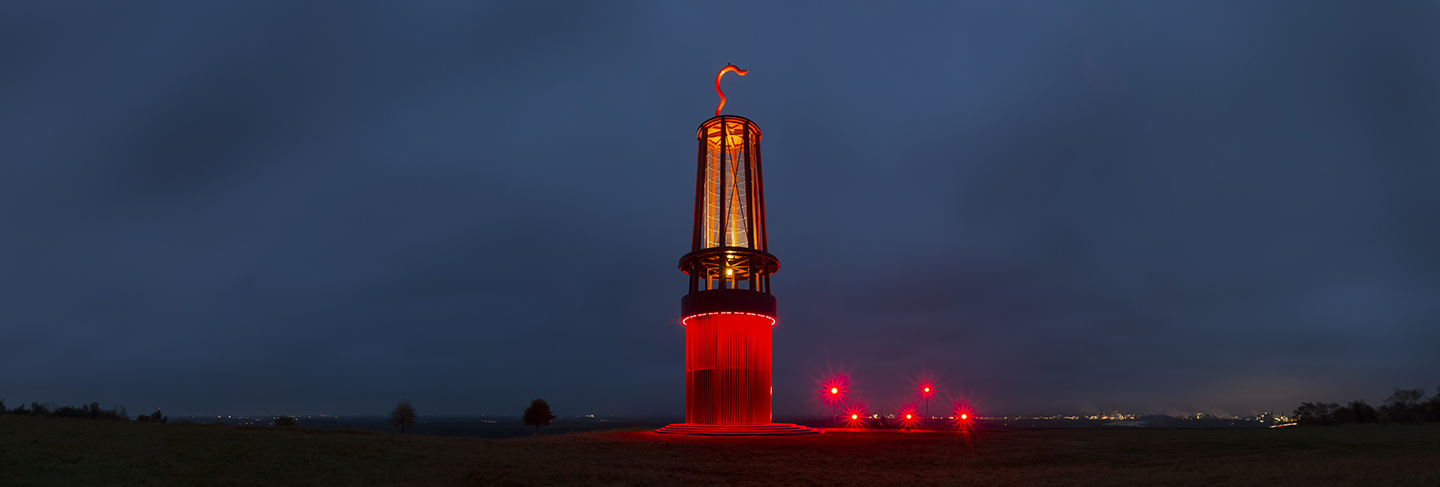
<point x="729" y="202"/>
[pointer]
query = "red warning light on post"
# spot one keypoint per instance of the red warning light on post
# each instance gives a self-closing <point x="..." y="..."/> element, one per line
<point x="853" y="415"/>
<point x="910" y="413"/>
<point x="960" y="413"/>
<point x="833" y="389"/>
<point x="926" y="388"/>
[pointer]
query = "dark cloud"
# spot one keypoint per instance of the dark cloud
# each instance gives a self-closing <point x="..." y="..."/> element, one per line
<point x="324" y="207"/>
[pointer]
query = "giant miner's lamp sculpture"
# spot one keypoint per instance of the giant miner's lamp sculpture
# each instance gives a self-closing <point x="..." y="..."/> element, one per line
<point x="729" y="311"/>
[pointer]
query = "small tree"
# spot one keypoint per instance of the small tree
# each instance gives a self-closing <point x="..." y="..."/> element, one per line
<point x="1430" y="409"/>
<point x="1403" y="405"/>
<point x="1316" y="413"/>
<point x="1359" y="412"/>
<point x="403" y="415"/>
<point x="283" y="421"/>
<point x="538" y="414"/>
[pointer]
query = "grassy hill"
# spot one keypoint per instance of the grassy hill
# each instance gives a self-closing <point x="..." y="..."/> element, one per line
<point x="47" y="451"/>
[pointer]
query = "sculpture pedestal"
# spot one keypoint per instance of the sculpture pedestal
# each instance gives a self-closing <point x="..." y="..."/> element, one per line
<point x="772" y="429"/>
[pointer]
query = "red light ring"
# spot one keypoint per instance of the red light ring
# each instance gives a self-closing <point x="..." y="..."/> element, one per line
<point x="686" y="320"/>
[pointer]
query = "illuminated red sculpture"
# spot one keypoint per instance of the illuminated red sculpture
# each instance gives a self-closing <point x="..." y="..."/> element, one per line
<point x="729" y="312"/>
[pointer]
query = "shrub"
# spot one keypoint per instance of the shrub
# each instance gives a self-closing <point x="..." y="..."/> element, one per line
<point x="154" y="417"/>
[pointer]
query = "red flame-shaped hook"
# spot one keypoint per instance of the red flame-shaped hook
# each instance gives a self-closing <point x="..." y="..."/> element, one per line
<point x="728" y="68"/>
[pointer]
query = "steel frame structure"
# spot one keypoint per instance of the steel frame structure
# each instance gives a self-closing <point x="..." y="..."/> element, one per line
<point x="729" y="312"/>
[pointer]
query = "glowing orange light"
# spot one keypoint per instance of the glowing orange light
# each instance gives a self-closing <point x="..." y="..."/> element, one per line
<point x="728" y="68"/>
<point x="907" y="416"/>
<point x="927" y="389"/>
<point x="834" y="390"/>
<point x="854" y="416"/>
<point x="964" y="416"/>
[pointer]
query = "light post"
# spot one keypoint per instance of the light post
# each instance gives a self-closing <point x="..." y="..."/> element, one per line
<point x="927" y="392"/>
<point x="832" y="391"/>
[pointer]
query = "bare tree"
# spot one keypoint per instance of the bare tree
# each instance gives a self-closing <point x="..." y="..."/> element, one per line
<point x="538" y="414"/>
<point x="403" y="416"/>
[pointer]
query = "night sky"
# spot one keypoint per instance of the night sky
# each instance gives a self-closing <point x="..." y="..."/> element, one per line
<point x="1055" y="207"/>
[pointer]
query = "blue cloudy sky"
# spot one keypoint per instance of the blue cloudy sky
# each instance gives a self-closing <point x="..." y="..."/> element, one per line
<point x="323" y="207"/>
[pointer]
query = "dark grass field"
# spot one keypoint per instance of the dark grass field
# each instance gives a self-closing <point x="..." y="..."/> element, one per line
<point x="44" y="451"/>
<point x="461" y="426"/>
